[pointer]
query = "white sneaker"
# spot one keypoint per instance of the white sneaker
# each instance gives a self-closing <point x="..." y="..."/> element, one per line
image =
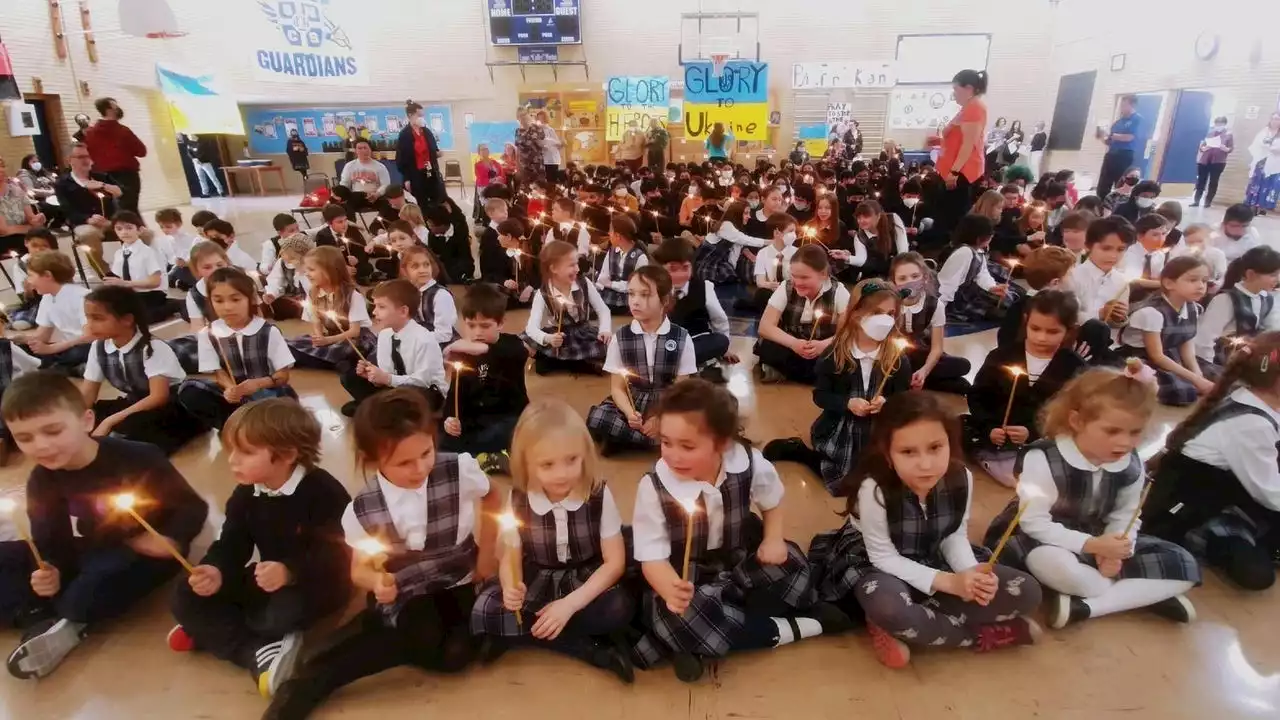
<point x="276" y="663"/>
<point x="40" y="654"/>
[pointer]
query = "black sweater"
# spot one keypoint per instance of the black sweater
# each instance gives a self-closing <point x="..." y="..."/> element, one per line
<point x="163" y="496"/>
<point x="302" y="530"/>
<point x="493" y="385"/>
<point x="991" y="387"/>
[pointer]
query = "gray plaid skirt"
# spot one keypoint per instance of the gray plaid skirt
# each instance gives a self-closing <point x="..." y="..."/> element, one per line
<point x="712" y="263"/>
<point x="1232" y="522"/>
<point x="839" y="559"/>
<point x="840" y="443"/>
<point x="490" y="617"/>
<point x="617" y="301"/>
<point x="1170" y="389"/>
<point x="607" y="421"/>
<point x="1153" y="558"/>
<point x="187" y="348"/>
<point x="581" y="342"/>
<point x="337" y="353"/>
<point x="716" y="612"/>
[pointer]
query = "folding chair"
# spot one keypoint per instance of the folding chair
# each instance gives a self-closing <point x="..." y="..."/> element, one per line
<point x="453" y="174"/>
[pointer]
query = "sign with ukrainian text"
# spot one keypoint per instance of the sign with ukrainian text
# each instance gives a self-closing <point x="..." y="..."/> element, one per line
<point x="308" y="41"/>
<point x="739" y="99"/>
<point x="635" y="98"/>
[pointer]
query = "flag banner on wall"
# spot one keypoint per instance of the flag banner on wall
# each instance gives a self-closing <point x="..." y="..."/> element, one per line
<point x="739" y="98"/>
<point x="196" y="105"/>
<point x="8" y="84"/>
<point x="637" y="98"/>
<point x="323" y="129"/>
<point x="318" y="42"/>
<point x="814" y="137"/>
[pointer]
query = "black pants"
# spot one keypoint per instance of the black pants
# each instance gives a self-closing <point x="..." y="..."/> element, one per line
<point x="492" y="433"/>
<point x="130" y="183"/>
<point x="103" y="584"/>
<point x="240" y="618"/>
<point x="709" y="346"/>
<point x="360" y="389"/>
<point x="553" y="173"/>
<point x="947" y="376"/>
<point x="1114" y="165"/>
<point x="426" y="189"/>
<point x="1208" y="174"/>
<point x="70" y="361"/>
<point x="791" y="365"/>
<point x="952" y="205"/>
<point x="204" y="401"/>
<point x="168" y="427"/>
<point x="1097" y="335"/>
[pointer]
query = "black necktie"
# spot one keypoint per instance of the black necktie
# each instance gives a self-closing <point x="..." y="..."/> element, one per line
<point x="397" y="360"/>
<point x="1146" y="266"/>
<point x="124" y="266"/>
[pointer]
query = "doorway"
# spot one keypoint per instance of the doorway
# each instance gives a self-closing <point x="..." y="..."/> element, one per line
<point x="48" y="144"/>
<point x="1151" y="107"/>
<point x="1193" y="115"/>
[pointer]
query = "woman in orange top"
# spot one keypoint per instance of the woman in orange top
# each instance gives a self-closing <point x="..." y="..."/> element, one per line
<point x="962" y="161"/>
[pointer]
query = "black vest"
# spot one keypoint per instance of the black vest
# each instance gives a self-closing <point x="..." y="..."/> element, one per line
<point x="690" y="311"/>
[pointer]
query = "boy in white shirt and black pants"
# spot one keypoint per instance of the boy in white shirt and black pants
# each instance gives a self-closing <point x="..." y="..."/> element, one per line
<point x="140" y="267"/>
<point x="407" y="354"/>
<point x="696" y="307"/>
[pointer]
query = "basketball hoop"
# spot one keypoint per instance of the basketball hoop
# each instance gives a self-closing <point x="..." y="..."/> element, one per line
<point x="152" y="19"/>
<point x="718" y="63"/>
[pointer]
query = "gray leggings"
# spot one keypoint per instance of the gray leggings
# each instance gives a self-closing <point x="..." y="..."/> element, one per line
<point x="942" y="620"/>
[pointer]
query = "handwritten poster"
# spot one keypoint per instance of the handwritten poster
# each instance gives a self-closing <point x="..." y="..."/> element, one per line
<point x="637" y="98"/>
<point x="739" y="99"/>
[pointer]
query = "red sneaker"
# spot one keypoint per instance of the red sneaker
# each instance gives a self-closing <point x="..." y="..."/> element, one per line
<point x="180" y="641"/>
<point x="1008" y="633"/>
<point x="890" y="651"/>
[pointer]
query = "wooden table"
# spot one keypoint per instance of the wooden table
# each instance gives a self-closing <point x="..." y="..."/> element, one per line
<point x="255" y="173"/>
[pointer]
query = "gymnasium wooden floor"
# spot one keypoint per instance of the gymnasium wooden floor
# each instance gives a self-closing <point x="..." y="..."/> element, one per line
<point x="1227" y="665"/>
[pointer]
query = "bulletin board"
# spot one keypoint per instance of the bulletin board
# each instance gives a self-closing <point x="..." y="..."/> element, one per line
<point x="323" y="129"/>
<point x="921" y="107"/>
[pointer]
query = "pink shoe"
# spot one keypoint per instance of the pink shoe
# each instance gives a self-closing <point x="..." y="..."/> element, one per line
<point x="890" y="651"/>
<point x="180" y="641"/>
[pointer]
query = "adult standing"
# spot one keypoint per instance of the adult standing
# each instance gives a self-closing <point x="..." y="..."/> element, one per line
<point x="1121" y="143"/>
<point x="718" y="144"/>
<point x="1212" y="160"/>
<point x="88" y="198"/>
<point x="1264" y="182"/>
<point x="206" y="155"/>
<point x="630" y="149"/>
<point x="418" y="157"/>
<point x="1039" y="140"/>
<point x="995" y="140"/>
<point x="115" y="151"/>
<point x="552" y="147"/>
<point x="299" y="156"/>
<point x="656" y="144"/>
<point x="529" y="151"/>
<point x="962" y="161"/>
<point x="16" y="213"/>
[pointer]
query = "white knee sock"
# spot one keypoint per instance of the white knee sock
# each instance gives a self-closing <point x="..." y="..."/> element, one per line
<point x="1135" y="593"/>
<point x="1059" y="569"/>
<point x="808" y="628"/>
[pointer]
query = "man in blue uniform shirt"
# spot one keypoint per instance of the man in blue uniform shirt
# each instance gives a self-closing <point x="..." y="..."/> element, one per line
<point x="1121" y="142"/>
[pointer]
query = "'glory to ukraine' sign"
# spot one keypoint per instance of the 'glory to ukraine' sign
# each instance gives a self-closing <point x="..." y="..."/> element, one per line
<point x="739" y="99"/>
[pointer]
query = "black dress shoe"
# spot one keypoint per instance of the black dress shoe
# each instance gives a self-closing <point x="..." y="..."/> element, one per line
<point x="688" y="667"/>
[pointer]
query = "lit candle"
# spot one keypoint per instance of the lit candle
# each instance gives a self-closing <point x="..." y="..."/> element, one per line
<point x="626" y="384"/>
<point x="458" y="369"/>
<point x="514" y="254"/>
<point x="1017" y="373"/>
<point x="810" y="233"/>
<point x="331" y="315"/>
<point x="1138" y="510"/>
<point x="817" y="320"/>
<point x="7" y="508"/>
<point x="511" y="538"/>
<point x="93" y="261"/>
<point x="102" y="202"/>
<point x="690" y="509"/>
<point x="899" y="346"/>
<point x="125" y="502"/>
<point x="560" y="322"/>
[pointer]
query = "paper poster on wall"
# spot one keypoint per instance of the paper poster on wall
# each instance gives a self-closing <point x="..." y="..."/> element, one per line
<point x="325" y="128"/>
<point x="837" y="112"/>
<point x="822" y="76"/>
<point x="739" y="99"/>
<point x="814" y="137"/>
<point x="315" y="42"/>
<point x="921" y="107"/>
<point x="635" y="98"/>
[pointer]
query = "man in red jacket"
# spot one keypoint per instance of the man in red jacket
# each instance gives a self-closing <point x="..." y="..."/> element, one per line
<point x="115" y="151"/>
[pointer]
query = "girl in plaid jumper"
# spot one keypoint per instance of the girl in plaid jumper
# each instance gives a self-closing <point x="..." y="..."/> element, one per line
<point x="800" y="319"/>
<point x="1161" y="331"/>
<point x="1082" y="488"/>
<point x="903" y="556"/>
<point x="338" y="313"/>
<point x="570" y="540"/>
<point x="559" y="331"/>
<point x="420" y="544"/>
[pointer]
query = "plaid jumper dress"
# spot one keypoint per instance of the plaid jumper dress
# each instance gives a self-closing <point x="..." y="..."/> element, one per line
<point x="713" y="262"/>
<point x="840" y="436"/>
<point x="546" y="577"/>
<point x="606" y="419"/>
<point x="338" y="353"/>
<point x="289" y="285"/>
<point x="1079" y="508"/>
<point x="790" y="319"/>
<point x="581" y="338"/>
<point x="839" y="557"/>
<point x="187" y="347"/>
<point x="722" y="578"/>
<point x="442" y="562"/>
<point x="917" y="327"/>
<point x="621" y="265"/>
<point x="971" y="303"/>
<point x="1247" y="324"/>
<point x="126" y="371"/>
<point x="425" y="313"/>
<point x="1176" y="331"/>
<point x="253" y="363"/>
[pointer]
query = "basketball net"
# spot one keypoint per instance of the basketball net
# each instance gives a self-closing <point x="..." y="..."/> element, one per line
<point x="718" y="63"/>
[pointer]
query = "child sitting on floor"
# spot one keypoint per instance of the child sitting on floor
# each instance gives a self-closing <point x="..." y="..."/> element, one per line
<point x="407" y="355"/>
<point x="1162" y="331"/>
<point x="287" y="285"/>
<point x="1244" y="308"/>
<point x="60" y="339"/>
<point x="436" y="310"/>
<point x="559" y="332"/>
<point x="335" y="306"/>
<point x="625" y="256"/>
<point x="922" y="321"/>
<point x="800" y="319"/>
<point x="965" y="284"/>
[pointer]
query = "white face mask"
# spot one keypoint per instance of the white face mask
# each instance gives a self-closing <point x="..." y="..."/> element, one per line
<point x="419" y="120"/>
<point x="620" y="192"/>
<point x="789" y="238"/>
<point x="754" y="204"/>
<point x="35" y="167"/>
<point x="877" y="327"/>
<point x="1145" y="203"/>
<point x="910" y="201"/>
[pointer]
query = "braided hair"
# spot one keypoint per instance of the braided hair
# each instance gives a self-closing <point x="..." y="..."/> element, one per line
<point x="120" y="301"/>
<point x="1255" y="363"/>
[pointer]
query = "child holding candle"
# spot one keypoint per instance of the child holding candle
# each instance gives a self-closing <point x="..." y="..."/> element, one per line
<point x="60" y="339"/>
<point x="224" y="234"/>
<point x="247" y="356"/>
<point x="570" y="546"/>
<point x="1017" y="380"/>
<point x="1045" y="268"/>
<point x="720" y="257"/>
<point x="436" y="310"/>
<point x="1162" y="330"/>
<point x="922" y="321"/>
<point x="340" y="233"/>
<point x="335" y="306"/>
<point x="723" y="580"/>
<point x="104" y="563"/>
<point x="800" y="319"/>
<point x="1216" y="490"/>
<point x="625" y="256"/>
<point x="505" y="261"/>
<point x="882" y="234"/>
<point x="644" y="358"/>
<point x="144" y="370"/>
<point x="139" y="267"/>
<point x="421" y="506"/>
<point x="287" y="287"/>
<point x="1081" y="487"/>
<point x="289" y="510"/>
<point x="965" y="284"/>
<point x="559" y="332"/>
<point x="206" y="257"/>
<point x="484" y="401"/>
<point x="407" y="355"/>
<point x="1102" y="290"/>
<point x="902" y="556"/>
<point x="1244" y="308"/>
<point x="867" y="364"/>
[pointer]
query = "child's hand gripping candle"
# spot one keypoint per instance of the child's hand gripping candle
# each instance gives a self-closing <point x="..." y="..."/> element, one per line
<point x="817" y="320"/>
<point x="125" y="502"/>
<point x="900" y="345"/>
<point x="386" y="590"/>
<point x="458" y="369"/>
<point x="333" y="317"/>
<point x="1017" y="373"/>
<point x="7" y="508"/>
<point x="690" y="509"/>
<point x="511" y="554"/>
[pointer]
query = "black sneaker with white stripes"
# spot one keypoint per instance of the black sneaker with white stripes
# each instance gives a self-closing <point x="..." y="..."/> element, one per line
<point x="43" y="648"/>
<point x="1177" y="608"/>
<point x="276" y="662"/>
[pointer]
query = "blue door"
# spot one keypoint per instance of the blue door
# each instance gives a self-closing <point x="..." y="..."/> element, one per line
<point x="1149" y="107"/>
<point x="1190" y="123"/>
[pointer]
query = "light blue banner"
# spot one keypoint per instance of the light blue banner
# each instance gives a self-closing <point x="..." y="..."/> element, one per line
<point x="323" y="129"/>
<point x="742" y="81"/>
<point x="811" y="131"/>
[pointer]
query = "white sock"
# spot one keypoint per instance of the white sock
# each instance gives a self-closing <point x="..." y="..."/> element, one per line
<point x="1135" y="593"/>
<point x="785" y="635"/>
<point x="1059" y="569"/>
<point x="808" y="628"/>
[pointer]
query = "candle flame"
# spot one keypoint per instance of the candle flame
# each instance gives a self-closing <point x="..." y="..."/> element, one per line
<point x="507" y="521"/>
<point x="371" y="547"/>
<point x="690" y="506"/>
<point x="1013" y="263"/>
<point x="124" y="501"/>
<point x="8" y="505"/>
<point x="458" y="367"/>
<point x="901" y="344"/>
<point x="1015" y="371"/>
<point x="817" y="314"/>
<point x="810" y="232"/>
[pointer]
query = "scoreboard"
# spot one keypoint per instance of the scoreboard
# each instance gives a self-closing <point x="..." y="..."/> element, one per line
<point x="535" y="22"/>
